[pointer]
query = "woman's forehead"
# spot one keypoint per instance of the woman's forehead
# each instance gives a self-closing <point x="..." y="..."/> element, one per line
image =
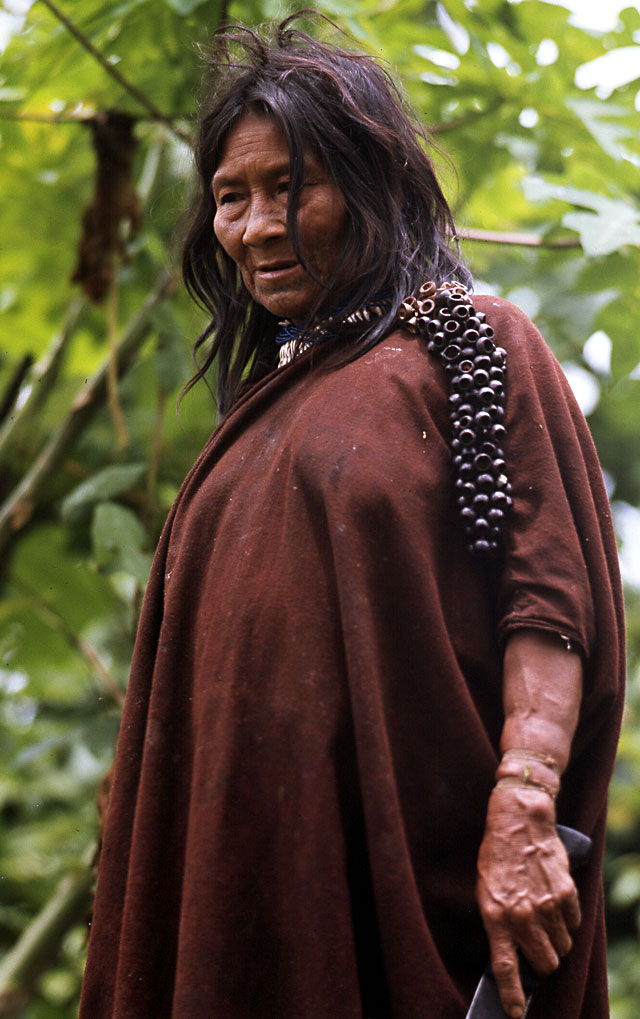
<point x="257" y="137"/>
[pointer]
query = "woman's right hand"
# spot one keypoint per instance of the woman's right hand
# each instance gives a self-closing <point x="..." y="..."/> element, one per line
<point x="525" y="892"/>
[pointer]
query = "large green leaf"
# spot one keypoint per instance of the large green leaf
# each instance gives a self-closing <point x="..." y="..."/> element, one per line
<point x="118" y="539"/>
<point x="110" y="481"/>
<point x="611" y="226"/>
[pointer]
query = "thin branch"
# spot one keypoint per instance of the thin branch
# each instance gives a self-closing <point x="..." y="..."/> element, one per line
<point x="41" y="379"/>
<point x="40" y="942"/>
<point x="151" y="168"/>
<point x="524" y="240"/>
<point x="113" y="397"/>
<point x="56" y="622"/>
<point x="19" y="506"/>
<point x="117" y="75"/>
<point x="14" y="386"/>
<point x="70" y="117"/>
<point x="81" y="117"/>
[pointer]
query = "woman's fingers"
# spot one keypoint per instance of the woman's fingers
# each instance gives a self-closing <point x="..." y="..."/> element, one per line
<point x="558" y="916"/>
<point x="536" y="943"/>
<point x="504" y="963"/>
<point x="572" y="913"/>
<point x="541" y="929"/>
<point x="558" y="934"/>
<point x="542" y="940"/>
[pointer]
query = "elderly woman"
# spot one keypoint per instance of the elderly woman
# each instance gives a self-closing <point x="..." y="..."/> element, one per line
<point x="380" y="651"/>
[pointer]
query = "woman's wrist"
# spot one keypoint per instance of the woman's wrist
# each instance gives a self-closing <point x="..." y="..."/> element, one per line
<point x="522" y="801"/>
<point x="529" y="769"/>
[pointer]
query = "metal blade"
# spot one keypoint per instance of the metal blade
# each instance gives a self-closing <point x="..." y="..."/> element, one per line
<point x="486" y="1002"/>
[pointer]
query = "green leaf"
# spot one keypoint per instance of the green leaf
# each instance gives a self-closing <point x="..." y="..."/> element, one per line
<point x="600" y="234"/>
<point x="108" y="482"/>
<point x="596" y="117"/>
<point x="115" y="529"/>
<point x="612" y="225"/>
<point x="118" y="538"/>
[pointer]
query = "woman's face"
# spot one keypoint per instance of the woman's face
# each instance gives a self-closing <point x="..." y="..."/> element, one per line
<point x="250" y="188"/>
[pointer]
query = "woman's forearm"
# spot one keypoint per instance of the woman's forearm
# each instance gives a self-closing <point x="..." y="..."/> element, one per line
<point x="542" y="690"/>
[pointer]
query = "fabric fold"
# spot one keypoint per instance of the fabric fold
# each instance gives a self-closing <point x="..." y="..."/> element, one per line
<point x="314" y="710"/>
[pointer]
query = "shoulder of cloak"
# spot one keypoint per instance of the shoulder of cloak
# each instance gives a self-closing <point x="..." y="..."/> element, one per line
<point x="561" y="564"/>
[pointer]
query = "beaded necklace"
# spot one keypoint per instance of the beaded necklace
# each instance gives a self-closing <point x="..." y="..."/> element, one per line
<point x="294" y="340"/>
<point x="460" y="337"/>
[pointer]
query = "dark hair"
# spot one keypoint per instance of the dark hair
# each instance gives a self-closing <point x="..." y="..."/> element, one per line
<point x="351" y="113"/>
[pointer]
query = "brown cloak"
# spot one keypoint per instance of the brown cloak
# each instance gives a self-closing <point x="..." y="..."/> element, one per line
<point x="313" y="716"/>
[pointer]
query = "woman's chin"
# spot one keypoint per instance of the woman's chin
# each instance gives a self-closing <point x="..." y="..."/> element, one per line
<point x="294" y="306"/>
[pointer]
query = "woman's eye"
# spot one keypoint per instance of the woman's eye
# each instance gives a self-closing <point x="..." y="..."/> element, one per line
<point x="228" y="198"/>
<point x="283" y="187"/>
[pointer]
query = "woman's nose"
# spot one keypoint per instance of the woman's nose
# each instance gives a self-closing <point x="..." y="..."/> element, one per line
<point x="265" y="219"/>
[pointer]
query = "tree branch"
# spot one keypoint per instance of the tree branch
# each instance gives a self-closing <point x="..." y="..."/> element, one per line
<point x="117" y="75"/>
<point x="40" y="942"/>
<point x="14" y="386"/>
<point x="19" y="506"/>
<point x="113" y="397"/>
<point x="83" y="116"/>
<point x="41" y="379"/>
<point x="525" y="240"/>
<point x="88" y="653"/>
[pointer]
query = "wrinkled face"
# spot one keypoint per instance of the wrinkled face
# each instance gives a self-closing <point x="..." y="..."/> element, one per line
<point x="250" y="189"/>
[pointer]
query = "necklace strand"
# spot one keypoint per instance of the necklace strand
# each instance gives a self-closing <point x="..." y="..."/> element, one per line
<point x="294" y="340"/>
<point x="464" y="343"/>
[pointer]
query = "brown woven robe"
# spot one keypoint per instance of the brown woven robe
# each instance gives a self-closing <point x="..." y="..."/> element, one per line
<point x="314" y="710"/>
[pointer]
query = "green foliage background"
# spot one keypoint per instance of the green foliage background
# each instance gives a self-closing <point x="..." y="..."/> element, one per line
<point x="539" y="162"/>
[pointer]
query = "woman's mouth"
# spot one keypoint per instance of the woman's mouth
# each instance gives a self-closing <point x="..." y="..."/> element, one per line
<point x="275" y="270"/>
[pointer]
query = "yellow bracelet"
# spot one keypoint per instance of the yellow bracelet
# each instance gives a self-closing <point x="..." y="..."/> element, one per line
<point x="531" y="755"/>
<point x="526" y="782"/>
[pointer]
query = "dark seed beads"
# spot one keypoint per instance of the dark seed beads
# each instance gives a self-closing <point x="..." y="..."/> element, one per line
<point x="459" y="335"/>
